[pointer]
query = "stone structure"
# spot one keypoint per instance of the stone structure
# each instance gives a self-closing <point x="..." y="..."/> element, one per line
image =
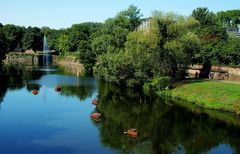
<point x="216" y="72"/>
<point x="145" y="24"/>
<point x="234" y="31"/>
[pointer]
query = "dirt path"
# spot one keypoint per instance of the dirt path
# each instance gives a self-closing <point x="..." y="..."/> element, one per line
<point x="227" y="81"/>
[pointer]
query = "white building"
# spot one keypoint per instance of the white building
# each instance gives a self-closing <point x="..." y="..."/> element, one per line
<point x="145" y="24"/>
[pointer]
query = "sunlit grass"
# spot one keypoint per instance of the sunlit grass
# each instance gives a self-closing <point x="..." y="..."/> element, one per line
<point x="210" y="94"/>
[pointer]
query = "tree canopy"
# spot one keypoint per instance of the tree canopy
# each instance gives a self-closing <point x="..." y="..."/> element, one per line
<point x="119" y="52"/>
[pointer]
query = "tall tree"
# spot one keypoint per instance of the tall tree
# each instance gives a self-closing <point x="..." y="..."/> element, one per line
<point x="3" y="48"/>
<point x="113" y="34"/>
<point x="13" y="35"/>
<point x="211" y="33"/>
<point x="63" y="44"/>
<point x="229" y="18"/>
<point x="204" y="16"/>
<point x="33" y="39"/>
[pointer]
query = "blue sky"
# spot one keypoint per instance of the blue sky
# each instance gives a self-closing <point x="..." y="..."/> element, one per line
<point x="64" y="13"/>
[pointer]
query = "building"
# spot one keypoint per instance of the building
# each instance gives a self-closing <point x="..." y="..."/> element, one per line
<point x="145" y="24"/>
<point x="234" y="31"/>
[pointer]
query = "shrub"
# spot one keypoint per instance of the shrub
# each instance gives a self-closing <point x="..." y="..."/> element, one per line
<point x="157" y="84"/>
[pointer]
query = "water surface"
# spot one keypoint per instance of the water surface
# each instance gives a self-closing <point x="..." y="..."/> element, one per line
<point x="59" y="122"/>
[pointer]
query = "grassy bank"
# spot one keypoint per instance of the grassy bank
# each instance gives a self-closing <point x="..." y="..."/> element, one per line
<point x="210" y="94"/>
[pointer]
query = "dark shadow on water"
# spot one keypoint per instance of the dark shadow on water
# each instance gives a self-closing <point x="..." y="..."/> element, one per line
<point x="163" y="127"/>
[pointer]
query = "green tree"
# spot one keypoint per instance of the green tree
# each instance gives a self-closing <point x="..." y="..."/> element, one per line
<point x="14" y="35"/>
<point x="133" y="15"/>
<point x="111" y="39"/>
<point x="113" y="34"/>
<point x="63" y="44"/>
<point x="33" y="39"/>
<point x="227" y="53"/>
<point x="211" y="33"/>
<point x="160" y="50"/>
<point x="204" y="16"/>
<point x="3" y="48"/>
<point x="80" y="32"/>
<point x="229" y="18"/>
<point x="51" y="35"/>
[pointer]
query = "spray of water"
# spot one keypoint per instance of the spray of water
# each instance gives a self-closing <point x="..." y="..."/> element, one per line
<point x="46" y="55"/>
<point x="45" y="45"/>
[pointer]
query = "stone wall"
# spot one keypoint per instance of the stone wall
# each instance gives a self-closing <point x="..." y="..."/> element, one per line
<point x="16" y="58"/>
<point x="216" y="72"/>
<point x="33" y="59"/>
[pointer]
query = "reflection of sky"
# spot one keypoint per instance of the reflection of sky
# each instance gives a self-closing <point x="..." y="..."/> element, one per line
<point x="53" y="123"/>
<point x="48" y="122"/>
<point x="53" y="80"/>
<point x="221" y="149"/>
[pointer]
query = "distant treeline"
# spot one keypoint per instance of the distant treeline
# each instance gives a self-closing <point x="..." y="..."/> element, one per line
<point x="118" y="52"/>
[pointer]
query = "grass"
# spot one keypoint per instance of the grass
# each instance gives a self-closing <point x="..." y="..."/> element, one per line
<point x="210" y="94"/>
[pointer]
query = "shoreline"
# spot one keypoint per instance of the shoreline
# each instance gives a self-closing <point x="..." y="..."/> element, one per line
<point x="196" y="92"/>
<point x="209" y="94"/>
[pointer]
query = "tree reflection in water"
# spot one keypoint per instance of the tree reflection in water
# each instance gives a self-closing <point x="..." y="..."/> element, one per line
<point x="82" y="91"/>
<point x="16" y="77"/>
<point x="163" y="128"/>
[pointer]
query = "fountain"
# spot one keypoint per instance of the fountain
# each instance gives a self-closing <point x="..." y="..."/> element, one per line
<point x="45" y="44"/>
<point x="46" y="56"/>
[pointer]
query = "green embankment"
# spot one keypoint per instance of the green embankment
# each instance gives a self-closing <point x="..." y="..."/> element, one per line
<point x="210" y="94"/>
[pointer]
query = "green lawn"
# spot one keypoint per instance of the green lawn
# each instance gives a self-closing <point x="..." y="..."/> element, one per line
<point x="210" y="94"/>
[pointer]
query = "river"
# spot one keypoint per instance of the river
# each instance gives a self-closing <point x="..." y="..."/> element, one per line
<point x="53" y="121"/>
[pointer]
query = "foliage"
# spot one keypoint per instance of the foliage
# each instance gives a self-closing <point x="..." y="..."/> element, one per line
<point x="227" y="53"/>
<point x="87" y="56"/>
<point x="211" y="33"/>
<point x="63" y="44"/>
<point x="14" y="35"/>
<point x="159" y="51"/>
<point x="115" y="68"/>
<point x="113" y="34"/>
<point x="79" y="32"/>
<point x="2" y="45"/>
<point x="157" y="84"/>
<point x="205" y="17"/>
<point x="32" y="39"/>
<point x="52" y="37"/>
<point x="229" y="18"/>
<point x="121" y="53"/>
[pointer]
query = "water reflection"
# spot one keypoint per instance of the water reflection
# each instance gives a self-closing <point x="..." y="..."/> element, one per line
<point x="59" y="121"/>
<point x="14" y="77"/>
<point x="163" y="128"/>
<point x="51" y="121"/>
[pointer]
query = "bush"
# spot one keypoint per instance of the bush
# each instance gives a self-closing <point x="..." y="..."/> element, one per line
<point x="157" y="84"/>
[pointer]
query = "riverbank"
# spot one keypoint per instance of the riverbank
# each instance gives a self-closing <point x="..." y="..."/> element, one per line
<point x="34" y="58"/>
<point x="210" y="94"/>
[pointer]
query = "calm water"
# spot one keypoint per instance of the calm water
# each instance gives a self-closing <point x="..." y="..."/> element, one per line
<point x="59" y="122"/>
